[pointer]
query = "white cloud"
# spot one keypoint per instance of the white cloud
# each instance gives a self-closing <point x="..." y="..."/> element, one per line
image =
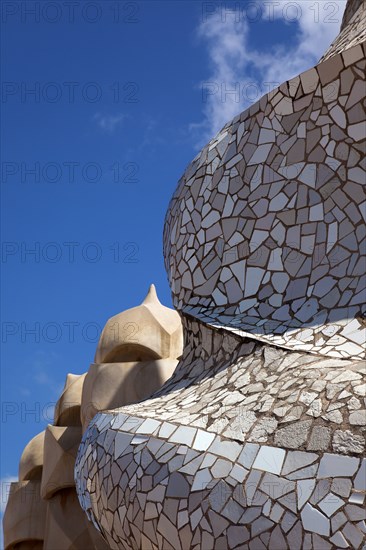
<point x="242" y="73"/>
<point x="108" y="123"/>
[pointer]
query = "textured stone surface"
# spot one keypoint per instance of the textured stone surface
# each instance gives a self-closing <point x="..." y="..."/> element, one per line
<point x="43" y="510"/>
<point x="347" y="442"/>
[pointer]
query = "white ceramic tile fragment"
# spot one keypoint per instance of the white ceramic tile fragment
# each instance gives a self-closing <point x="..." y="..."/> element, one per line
<point x="184" y="435"/>
<point x="227" y="449"/>
<point x="203" y="440"/>
<point x="357" y="498"/>
<point x="337" y="466"/>
<point x="305" y="488"/>
<point x="166" y="430"/>
<point x="238" y="473"/>
<point x="269" y="459"/>
<point x="315" y="521"/>
<point x="148" y="426"/>
<point x="121" y="442"/>
<point x="360" y="479"/>
<point x="248" y="454"/>
<point x="338" y="540"/>
<point x="296" y="460"/>
<point x="201" y="480"/>
<point x="330" y="504"/>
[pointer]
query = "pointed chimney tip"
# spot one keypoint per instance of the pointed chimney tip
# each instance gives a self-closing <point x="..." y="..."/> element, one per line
<point x="151" y="297"/>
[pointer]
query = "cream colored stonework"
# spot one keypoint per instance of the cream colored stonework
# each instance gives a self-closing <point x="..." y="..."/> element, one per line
<point x="138" y="351"/>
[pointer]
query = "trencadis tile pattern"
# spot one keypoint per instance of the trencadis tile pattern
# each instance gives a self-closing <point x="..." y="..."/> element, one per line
<point x="175" y="487"/>
<point x="258" y="439"/>
<point x="246" y="446"/>
<point x="353" y="30"/>
<point x="266" y="231"/>
<point x="248" y="391"/>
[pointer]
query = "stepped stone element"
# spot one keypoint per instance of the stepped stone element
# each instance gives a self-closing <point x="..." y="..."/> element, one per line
<point x="58" y="468"/>
<point x="257" y="441"/>
<point x="148" y="331"/>
<point x="31" y="461"/>
<point x="43" y="510"/>
<point x="67" y="410"/>
<point x="138" y="350"/>
<point x="64" y="525"/>
<point x="24" y="518"/>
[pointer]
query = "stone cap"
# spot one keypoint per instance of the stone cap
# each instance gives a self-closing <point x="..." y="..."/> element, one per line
<point x="25" y="514"/>
<point x="112" y="385"/>
<point x="67" y="410"/>
<point x="31" y="461"/>
<point x="148" y="331"/>
<point x="61" y="445"/>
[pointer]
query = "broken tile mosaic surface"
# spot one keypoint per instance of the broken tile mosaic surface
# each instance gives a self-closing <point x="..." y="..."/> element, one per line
<point x="258" y="438"/>
<point x="177" y="458"/>
<point x="286" y="262"/>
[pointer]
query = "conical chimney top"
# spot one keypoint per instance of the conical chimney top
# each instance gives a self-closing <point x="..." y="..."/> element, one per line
<point x="151" y="296"/>
<point x="150" y="326"/>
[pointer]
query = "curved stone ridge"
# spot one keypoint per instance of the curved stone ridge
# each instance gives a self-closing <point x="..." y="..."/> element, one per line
<point x="31" y="461"/>
<point x="265" y="233"/>
<point x="67" y="409"/>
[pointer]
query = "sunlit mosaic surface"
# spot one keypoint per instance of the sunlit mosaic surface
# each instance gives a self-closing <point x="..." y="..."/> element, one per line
<point x="243" y="447"/>
<point x="184" y="487"/>
<point x="258" y="439"/>
<point x="353" y="29"/>
<point x="266" y="231"/>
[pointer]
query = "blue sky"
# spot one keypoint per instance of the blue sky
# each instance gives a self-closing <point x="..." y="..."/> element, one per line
<point x="124" y="95"/>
